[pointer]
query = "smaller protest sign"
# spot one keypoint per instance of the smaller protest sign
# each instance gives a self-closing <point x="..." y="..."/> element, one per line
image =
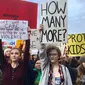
<point x="35" y="39"/>
<point x="13" y="29"/>
<point x="8" y="43"/>
<point x="76" y="44"/>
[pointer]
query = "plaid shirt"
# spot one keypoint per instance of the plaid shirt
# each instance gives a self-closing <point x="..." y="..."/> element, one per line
<point x="51" y="76"/>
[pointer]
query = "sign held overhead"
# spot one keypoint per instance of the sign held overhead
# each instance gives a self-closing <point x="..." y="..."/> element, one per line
<point x="13" y="29"/>
<point x="54" y="19"/>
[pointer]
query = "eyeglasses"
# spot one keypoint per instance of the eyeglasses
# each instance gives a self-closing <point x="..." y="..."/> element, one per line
<point x="53" y="54"/>
<point x="37" y="63"/>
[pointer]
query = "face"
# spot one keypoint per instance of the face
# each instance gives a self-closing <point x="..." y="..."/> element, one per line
<point x="15" y="55"/>
<point x="7" y="53"/>
<point x="53" y="55"/>
<point x="34" y="57"/>
<point x="37" y="65"/>
<point x="83" y="64"/>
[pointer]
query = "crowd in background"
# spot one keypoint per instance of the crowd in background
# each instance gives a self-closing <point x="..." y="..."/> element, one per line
<point x="18" y="66"/>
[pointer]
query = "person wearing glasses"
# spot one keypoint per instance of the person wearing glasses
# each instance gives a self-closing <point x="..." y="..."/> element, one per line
<point x="53" y="73"/>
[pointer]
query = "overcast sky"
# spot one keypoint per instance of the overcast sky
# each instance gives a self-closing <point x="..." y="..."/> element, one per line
<point x="76" y="15"/>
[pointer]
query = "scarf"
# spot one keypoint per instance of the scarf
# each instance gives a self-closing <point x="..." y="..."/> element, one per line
<point x="51" y="76"/>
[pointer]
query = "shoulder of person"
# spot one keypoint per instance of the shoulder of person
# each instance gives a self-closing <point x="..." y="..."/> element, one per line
<point x="64" y="67"/>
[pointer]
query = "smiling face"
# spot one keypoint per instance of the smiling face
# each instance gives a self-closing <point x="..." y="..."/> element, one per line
<point x="15" y="55"/>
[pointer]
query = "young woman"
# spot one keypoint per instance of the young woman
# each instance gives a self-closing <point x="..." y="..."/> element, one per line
<point x="53" y="73"/>
<point x="14" y="73"/>
<point x="81" y="72"/>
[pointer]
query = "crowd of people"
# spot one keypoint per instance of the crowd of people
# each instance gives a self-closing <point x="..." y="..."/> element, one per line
<point x="19" y="67"/>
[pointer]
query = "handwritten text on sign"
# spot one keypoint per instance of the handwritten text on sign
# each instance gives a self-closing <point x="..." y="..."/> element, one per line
<point x="76" y="44"/>
<point x="35" y="39"/>
<point x="13" y="29"/>
<point x="54" y="17"/>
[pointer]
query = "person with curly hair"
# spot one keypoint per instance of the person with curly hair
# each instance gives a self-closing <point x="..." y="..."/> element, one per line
<point x="53" y="73"/>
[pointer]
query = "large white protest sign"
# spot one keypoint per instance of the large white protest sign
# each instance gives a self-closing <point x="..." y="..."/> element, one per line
<point x="35" y="39"/>
<point x="13" y="29"/>
<point x="54" y="18"/>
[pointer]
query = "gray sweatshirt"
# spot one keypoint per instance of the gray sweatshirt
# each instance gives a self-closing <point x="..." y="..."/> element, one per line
<point x="45" y="67"/>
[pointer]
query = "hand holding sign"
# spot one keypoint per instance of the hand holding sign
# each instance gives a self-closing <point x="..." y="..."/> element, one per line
<point x="41" y="27"/>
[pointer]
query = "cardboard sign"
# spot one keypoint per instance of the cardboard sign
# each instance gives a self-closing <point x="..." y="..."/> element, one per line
<point x="54" y="19"/>
<point x="35" y="39"/>
<point x="76" y="44"/>
<point x="13" y="29"/>
<point x="19" y="10"/>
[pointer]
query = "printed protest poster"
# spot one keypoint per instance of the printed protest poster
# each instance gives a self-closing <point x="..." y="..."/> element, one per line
<point x="13" y="29"/>
<point x="8" y="43"/>
<point x="35" y="39"/>
<point x="19" y="10"/>
<point x="54" y="18"/>
<point x="76" y="44"/>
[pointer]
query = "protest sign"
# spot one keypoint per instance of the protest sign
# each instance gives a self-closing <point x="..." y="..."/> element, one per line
<point x="54" y="19"/>
<point x="13" y="29"/>
<point x="76" y="44"/>
<point x="8" y="43"/>
<point x="35" y="39"/>
<point x="19" y="10"/>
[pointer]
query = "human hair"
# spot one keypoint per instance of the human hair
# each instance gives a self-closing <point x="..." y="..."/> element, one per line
<point x="80" y="71"/>
<point x="20" y="57"/>
<point x="17" y="49"/>
<point x="51" y="47"/>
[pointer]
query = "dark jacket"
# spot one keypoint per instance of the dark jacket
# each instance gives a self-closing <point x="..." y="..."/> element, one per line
<point x="18" y="76"/>
<point x="72" y="71"/>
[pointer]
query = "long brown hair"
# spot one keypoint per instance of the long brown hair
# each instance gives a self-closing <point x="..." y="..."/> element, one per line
<point x="80" y="71"/>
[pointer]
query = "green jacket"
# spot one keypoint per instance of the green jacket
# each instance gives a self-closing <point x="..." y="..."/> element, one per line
<point x="37" y="79"/>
